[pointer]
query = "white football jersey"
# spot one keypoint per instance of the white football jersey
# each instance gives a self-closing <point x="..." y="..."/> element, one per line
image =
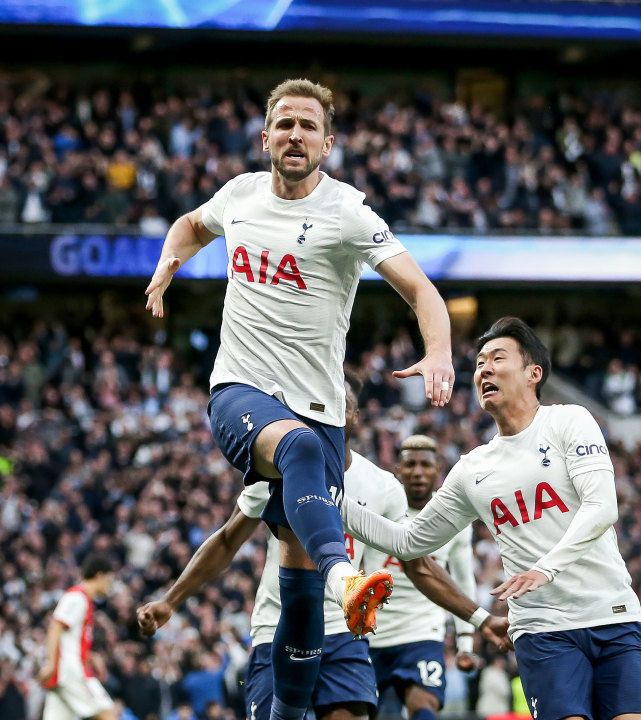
<point x="522" y="487"/>
<point x="410" y="616"/>
<point x="366" y="484"/>
<point x="294" y="266"/>
<point x="75" y="611"/>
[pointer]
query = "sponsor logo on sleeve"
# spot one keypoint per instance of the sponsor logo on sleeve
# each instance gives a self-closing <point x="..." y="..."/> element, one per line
<point x="380" y="237"/>
<point x="591" y="449"/>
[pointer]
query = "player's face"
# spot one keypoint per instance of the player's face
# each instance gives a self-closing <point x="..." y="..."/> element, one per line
<point x="296" y="139"/>
<point x="501" y="377"/>
<point x="418" y="471"/>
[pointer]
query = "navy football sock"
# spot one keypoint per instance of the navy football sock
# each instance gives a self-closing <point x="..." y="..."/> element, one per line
<point x="423" y="714"/>
<point x="310" y="511"/>
<point x="296" y="650"/>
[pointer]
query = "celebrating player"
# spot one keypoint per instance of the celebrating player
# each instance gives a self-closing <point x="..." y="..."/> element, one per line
<point x="72" y="690"/>
<point x="346" y="684"/>
<point x="297" y="240"/>
<point x="544" y="486"/>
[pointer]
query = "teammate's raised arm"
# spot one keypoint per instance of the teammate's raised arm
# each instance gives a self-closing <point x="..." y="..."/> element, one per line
<point x="184" y="239"/>
<point x="406" y="277"/>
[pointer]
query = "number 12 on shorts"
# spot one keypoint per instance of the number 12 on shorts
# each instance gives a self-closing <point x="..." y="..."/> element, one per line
<point x="431" y="672"/>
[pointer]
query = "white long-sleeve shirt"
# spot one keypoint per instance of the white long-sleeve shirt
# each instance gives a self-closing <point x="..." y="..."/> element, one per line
<point x="427" y="618"/>
<point x="547" y="495"/>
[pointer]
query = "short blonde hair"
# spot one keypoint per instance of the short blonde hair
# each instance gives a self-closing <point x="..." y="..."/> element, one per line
<point x="302" y="88"/>
<point x="418" y="442"/>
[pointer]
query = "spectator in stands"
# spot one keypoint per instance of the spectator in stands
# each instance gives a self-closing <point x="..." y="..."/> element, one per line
<point x="619" y="386"/>
<point x="495" y="690"/>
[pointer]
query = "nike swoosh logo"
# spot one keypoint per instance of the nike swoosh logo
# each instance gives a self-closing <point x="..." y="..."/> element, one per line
<point x="234" y="221"/>
<point x="480" y="480"/>
<point x="297" y="659"/>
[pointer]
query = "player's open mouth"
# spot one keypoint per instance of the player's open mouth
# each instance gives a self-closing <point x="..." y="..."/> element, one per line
<point x="488" y="389"/>
<point x="295" y="155"/>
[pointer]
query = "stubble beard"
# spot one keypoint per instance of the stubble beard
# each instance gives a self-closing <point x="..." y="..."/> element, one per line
<point x="294" y="175"/>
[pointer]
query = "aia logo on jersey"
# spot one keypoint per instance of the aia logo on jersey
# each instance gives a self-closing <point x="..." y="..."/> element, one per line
<point x="545" y="498"/>
<point x="593" y="449"/>
<point x="301" y="238"/>
<point x="286" y="270"/>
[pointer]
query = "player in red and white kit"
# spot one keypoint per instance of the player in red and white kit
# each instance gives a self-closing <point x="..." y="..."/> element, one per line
<point x="73" y="692"/>
<point x="544" y="486"/>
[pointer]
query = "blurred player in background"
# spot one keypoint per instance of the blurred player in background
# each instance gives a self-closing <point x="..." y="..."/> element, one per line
<point x="544" y="486"/>
<point x="346" y="684"/>
<point x="408" y="649"/>
<point x="73" y="692"/>
<point x="297" y="241"/>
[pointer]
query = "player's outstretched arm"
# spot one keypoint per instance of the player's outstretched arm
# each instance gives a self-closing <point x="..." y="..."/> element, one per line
<point x="406" y="277"/>
<point x="208" y="562"/>
<point x="185" y="238"/>
<point x="427" y="532"/>
<point x="437" y="585"/>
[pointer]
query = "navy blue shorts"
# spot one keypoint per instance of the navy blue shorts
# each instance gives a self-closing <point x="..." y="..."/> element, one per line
<point x="237" y="414"/>
<point x="346" y="676"/>
<point x="593" y="672"/>
<point x="420" y="663"/>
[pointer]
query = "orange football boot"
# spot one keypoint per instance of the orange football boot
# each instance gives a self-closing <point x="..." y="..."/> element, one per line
<point x="362" y="597"/>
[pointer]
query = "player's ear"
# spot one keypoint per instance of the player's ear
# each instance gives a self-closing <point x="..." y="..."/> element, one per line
<point x="536" y="373"/>
<point x="327" y="145"/>
<point x="265" y="139"/>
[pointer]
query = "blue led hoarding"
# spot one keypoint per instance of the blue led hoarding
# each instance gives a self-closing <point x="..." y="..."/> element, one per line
<point x="554" y="19"/>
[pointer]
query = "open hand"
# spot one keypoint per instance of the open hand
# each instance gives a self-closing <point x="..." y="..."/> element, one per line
<point x="159" y="283"/>
<point x="520" y="584"/>
<point x="438" y="375"/>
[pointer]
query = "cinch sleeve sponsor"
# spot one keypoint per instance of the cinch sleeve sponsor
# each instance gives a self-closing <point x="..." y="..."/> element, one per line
<point x="366" y="235"/>
<point x="213" y="210"/>
<point x="583" y="442"/>
<point x="253" y="499"/>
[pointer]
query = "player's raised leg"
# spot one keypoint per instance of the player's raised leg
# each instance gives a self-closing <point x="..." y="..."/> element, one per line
<point x="310" y="463"/>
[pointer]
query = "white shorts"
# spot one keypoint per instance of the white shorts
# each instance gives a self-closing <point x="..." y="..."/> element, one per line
<point x="83" y="698"/>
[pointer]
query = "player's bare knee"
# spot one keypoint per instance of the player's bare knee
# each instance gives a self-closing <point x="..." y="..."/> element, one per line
<point x="266" y="443"/>
<point x="292" y="553"/>
<point x="416" y="698"/>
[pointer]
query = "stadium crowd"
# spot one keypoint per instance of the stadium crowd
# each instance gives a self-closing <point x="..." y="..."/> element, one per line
<point x="144" y="155"/>
<point x="105" y="445"/>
